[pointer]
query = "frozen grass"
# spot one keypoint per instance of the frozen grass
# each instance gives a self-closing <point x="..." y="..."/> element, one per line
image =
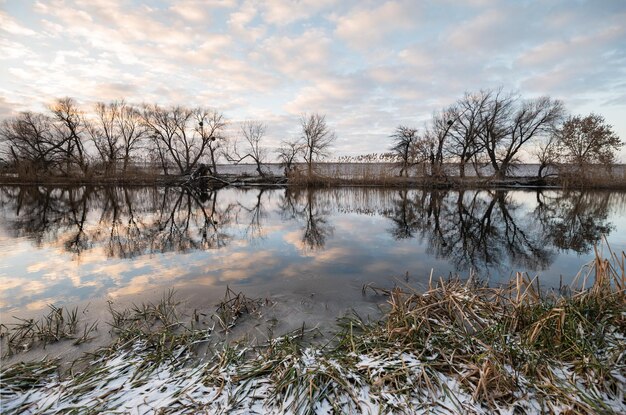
<point x="457" y="347"/>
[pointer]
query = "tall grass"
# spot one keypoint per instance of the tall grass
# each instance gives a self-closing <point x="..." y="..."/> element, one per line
<point x="501" y="343"/>
<point x="387" y="174"/>
<point x="455" y="347"/>
<point x="359" y="174"/>
<point x="593" y="177"/>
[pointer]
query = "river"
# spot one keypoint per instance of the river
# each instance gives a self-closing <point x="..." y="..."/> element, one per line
<point x="311" y="249"/>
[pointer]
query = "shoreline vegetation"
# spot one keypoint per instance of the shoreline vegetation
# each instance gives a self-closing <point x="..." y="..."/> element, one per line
<point x="479" y="140"/>
<point x="340" y="174"/>
<point x="458" y="346"/>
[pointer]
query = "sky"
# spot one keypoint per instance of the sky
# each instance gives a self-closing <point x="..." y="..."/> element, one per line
<point x="369" y="66"/>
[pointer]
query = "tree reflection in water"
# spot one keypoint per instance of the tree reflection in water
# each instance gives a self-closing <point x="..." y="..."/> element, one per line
<point x="256" y="214"/>
<point x="304" y="206"/>
<point x="130" y="221"/>
<point x="483" y="229"/>
<point x="477" y="229"/>
<point x="46" y="215"/>
<point x="574" y="220"/>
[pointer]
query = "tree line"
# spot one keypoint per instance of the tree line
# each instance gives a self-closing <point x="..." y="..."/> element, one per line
<point x="488" y="127"/>
<point x="494" y="127"/>
<point x="66" y="140"/>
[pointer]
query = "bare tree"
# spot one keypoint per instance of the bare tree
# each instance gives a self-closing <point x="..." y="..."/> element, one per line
<point x="466" y="127"/>
<point x="211" y="126"/>
<point x="404" y="139"/>
<point x="588" y="140"/>
<point x="161" y="124"/>
<point x="317" y="138"/>
<point x="180" y="146"/>
<point x="547" y="152"/>
<point x="176" y="138"/>
<point x="252" y="132"/>
<point x="510" y="123"/>
<point x="288" y="153"/>
<point x="437" y="135"/>
<point x="105" y="134"/>
<point x="495" y="125"/>
<point x="132" y="132"/>
<point x="116" y="131"/>
<point x="533" y="119"/>
<point x="29" y="142"/>
<point x="422" y="152"/>
<point x="69" y="126"/>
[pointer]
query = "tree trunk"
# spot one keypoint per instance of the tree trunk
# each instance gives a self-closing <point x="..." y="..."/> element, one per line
<point x="542" y="166"/>
<point x="213" y="164"/>
<point x="125" y="165"/>
<point x="500" y="173"/>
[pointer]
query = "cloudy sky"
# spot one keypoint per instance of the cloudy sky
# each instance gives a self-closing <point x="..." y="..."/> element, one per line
<point x="367" y="65"/>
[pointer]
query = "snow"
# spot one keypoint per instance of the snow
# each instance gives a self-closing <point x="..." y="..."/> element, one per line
<point x="183" y="386"/>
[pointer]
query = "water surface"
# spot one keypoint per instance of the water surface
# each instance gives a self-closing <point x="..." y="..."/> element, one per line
<point x="75" y="244"/>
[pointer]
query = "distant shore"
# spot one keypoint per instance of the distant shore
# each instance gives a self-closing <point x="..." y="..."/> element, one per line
<point x="342" y="174"/>
<point x="317" y="181"/>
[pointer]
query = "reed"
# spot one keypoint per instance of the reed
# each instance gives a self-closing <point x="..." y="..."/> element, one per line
<point x="592" y="177"/>
<point x="500" y="341"/>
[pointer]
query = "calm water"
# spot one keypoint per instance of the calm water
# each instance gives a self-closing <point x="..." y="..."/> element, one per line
<point x="70" y="245"/>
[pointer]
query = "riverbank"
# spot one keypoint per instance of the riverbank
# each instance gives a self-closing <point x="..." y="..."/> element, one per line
<point x="326" y="182"/>
<point x="455" y="347"/>
<point x="315" y="181"/>
<point x="349" y="174"/>
<point x="147" y="180"/>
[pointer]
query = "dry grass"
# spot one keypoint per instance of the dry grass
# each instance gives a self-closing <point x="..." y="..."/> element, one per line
<point x="492" y="338"/>
<point x="365" y="174"/>
<point x="456" y="347"/>
<point x="233" y="306"/>
<point x="386" y="175"/>
<point x="592" y="177"/>
<point x="157" y="328"/>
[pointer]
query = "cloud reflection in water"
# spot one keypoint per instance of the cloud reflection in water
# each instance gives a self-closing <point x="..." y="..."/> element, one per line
<point x="63" y="245"/>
